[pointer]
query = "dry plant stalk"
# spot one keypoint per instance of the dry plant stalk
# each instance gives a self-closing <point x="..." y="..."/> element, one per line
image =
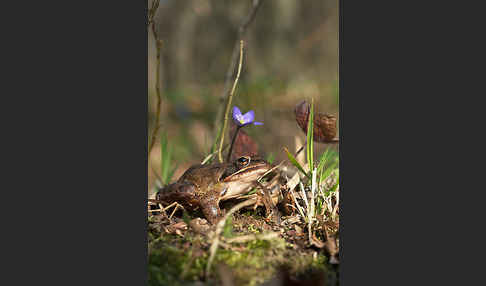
<point x="231" y="68"/>
<point x="219" y="229"/>
<point x="158" y="44"/>
<point x="151" y="12"/>
<point x="301" y="210"/>
<point x="228" y="104"/>
<point x="312" y="204"/>
<point x="251" y="237"/>
<point x="336" y="207"/>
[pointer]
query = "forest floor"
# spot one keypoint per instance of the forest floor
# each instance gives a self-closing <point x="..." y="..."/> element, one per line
<point x="252" y="251"/>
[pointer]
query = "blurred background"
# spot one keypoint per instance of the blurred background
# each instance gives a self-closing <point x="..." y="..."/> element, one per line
<point x="290" y="55"/>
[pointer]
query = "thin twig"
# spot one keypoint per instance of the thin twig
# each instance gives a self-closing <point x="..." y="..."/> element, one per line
<point x="211" y="155"/>
<point x="158" y="44"/>
<point x="151" y="12"/>
<point x="304" y="196"/>
<point x="219" y="229"/>
<point x="301" y="210"/>
<point x="310" y="211"/>
<point x="301" y="148"/>
<point x="232" y="66"/>
<point x="228" y="104"/>
<point x="251" y="237"/>
<point x="175" y="209"/>
<point x="336" y="206"/>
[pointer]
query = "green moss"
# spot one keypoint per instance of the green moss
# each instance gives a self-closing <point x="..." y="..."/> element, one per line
<point x="304" y="264"/>
<point x="256" y="264"/>
<point x="171" y="265"/>
<point x="228" y="228"/>
<point x="175" y="260"/>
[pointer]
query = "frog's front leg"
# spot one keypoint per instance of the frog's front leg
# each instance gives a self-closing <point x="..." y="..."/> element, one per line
<point x="210" y="204"/>
<point x="211" y="211"/>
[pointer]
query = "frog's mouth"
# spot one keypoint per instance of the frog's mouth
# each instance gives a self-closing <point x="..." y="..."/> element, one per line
<point x="241" y="181"/>
<point x="250" y="173"/>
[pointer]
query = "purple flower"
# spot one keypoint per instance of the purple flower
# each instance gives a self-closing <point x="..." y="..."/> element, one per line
<point x="244" y="119"/>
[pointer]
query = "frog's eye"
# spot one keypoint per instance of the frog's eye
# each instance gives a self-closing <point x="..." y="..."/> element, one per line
<point x="244" y="160"/>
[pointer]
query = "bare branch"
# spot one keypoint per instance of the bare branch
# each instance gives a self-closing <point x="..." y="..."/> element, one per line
<point x="219" y="230"/>
<point x="228" y="104"/>
<point x="158" y="44"/>
<point x="232" y="66"/>
<point x="151" y="12"/>
<point x="251" y="237"/>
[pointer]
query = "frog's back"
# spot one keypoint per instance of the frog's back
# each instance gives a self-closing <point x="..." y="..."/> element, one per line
<point x="181" y="192"/>
<point x="203" y="174"/>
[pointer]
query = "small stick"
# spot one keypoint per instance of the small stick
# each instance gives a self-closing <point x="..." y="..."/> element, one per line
<point x="301" y="148"/>
<point x="151" y="12"/>
<point x="228" y="104"/>
<point x="310" y="211"/>
<point x="250" y="237"/>
<point x="303" y="195"/>
<point x="219" y="229"/>
<point x="336" y="195"/>
<point x="169" y="206"/>
<point x="301" y="211"/>
<point x="158" y="44"/>
<point x="208" y="157"/>
<point x="271" y="170"/>
<point x="232" y="66"/>
<point x="177" y="206"/>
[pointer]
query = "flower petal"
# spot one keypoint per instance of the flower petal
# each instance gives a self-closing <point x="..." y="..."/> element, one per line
<point x="257" y="123"/>
<point x="249" y="117"/>
<point x="237" y="116"/>
<point x="236" y="111"/>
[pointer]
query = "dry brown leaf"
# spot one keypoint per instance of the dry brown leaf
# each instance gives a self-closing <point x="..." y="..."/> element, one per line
<point x="324" y="124"/>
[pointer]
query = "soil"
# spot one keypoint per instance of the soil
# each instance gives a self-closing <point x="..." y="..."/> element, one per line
<point x="178" y="251"/>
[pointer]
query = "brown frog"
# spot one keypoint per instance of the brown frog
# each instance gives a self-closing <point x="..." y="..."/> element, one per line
<point x="204" y="186"/>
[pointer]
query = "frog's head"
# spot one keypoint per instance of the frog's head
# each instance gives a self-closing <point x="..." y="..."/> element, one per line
<point x="241" y="174"/>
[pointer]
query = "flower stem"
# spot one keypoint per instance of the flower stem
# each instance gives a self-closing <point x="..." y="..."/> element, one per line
<point x="232" y="143"/>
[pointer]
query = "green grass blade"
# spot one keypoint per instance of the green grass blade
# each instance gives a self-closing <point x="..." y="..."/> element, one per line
<point x="295" y="163"/>
<point x="171" y="173"/>
<point x="166" y="151"/>
<point x="270" y="158"/>
<point x="325" y="174"/>
<point x="323" y="161"/>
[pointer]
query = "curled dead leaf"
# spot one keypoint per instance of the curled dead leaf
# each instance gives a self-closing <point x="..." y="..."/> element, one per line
<point x="324" y="124"/>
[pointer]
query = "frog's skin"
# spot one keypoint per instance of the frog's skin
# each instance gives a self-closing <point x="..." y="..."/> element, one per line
<point x="203" y="186"/>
